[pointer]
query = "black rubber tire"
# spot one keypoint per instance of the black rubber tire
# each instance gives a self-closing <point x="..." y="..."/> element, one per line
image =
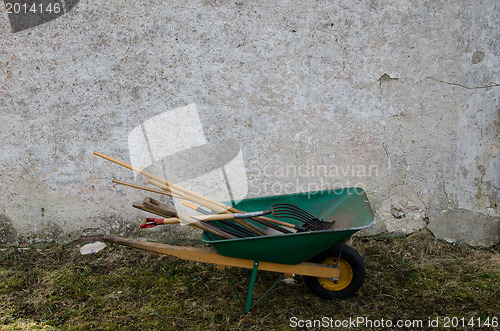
<point x="350" y="256"/>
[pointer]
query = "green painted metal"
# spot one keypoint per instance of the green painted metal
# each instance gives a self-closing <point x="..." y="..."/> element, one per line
<point x="251" y="287"/>
<point x="234" y="287"/>
<point x="276" y="282"/>
<point x="248" y="304"/>
<point x="348" y="207"/>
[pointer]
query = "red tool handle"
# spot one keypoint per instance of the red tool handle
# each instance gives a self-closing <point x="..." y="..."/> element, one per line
<point x="150" y="222"/>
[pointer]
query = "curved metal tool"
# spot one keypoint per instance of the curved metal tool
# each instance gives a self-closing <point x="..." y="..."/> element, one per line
<point x="301" y="215"/>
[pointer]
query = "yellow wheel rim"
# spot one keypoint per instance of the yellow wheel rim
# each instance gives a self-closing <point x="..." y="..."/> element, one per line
<point x="345" y="276"/>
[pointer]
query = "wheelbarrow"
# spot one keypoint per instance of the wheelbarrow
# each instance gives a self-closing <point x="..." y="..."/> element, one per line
<point x="330" y="268"/>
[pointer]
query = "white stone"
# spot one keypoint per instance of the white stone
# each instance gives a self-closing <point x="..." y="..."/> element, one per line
<point x="92" y="248"/>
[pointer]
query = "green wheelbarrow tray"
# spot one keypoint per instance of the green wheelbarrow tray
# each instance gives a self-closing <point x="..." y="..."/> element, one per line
<point x="347" y="207"/>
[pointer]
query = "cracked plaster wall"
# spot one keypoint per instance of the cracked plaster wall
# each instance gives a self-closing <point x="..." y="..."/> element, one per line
<point x="343" y="85"/>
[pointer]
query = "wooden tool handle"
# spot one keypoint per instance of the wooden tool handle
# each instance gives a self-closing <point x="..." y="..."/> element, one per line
<point x="186" y="219"/>
<point x="164" y="209"/>
<point x="175" y="189"/>
<point x="272" y="220"/>
<point x="150" y="175"/>
<point x="168" y="220"/>
<point x="189" y="205"/>
<point x="145" y="188"/>
<point x="217" y="217"/>
<point x="142" y="207"/>
<point x="147" y="223"/>
<point x="255" y="229"/>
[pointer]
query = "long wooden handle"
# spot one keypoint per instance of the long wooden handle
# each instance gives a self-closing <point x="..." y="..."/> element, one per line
<point x="198" y="200"/>
<point x="156" y="212"/>
<point x="175" y="188"/>
<point x="270" y="222"/>
<point x="195" y="224"/>
<point x="221" y="217"/>
<point x="189" y="205"/>
<point x="211" y="256"/>
<point x="204" y="226"/>
<point x="255" y="229"/>
<point x="162" y="180"/>
<point x="164" y="209"/>
<point x="145" y="188"/>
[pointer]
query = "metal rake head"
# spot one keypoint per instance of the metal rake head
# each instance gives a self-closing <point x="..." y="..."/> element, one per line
<point x="299" y="214"/>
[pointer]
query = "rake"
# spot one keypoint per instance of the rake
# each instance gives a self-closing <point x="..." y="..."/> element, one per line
<point x="309" y="221"/>
<point x="291" y="211"/>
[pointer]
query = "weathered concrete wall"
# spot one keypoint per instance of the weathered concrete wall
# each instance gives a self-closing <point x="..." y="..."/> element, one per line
<point x="342" y="85"/>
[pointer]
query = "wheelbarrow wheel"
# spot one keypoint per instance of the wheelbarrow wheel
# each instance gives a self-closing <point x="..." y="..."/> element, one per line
<point x="352" y="273"/>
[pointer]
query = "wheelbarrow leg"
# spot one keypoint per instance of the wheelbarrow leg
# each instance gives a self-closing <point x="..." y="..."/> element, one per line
<point x="251" y="286"/>
<point x="249" y="305"/>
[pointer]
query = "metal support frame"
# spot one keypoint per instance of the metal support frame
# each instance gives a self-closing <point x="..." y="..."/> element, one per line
<point x="251" y="286"/>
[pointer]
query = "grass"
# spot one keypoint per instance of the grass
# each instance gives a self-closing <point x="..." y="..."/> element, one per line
<point x="120" y="288"/>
